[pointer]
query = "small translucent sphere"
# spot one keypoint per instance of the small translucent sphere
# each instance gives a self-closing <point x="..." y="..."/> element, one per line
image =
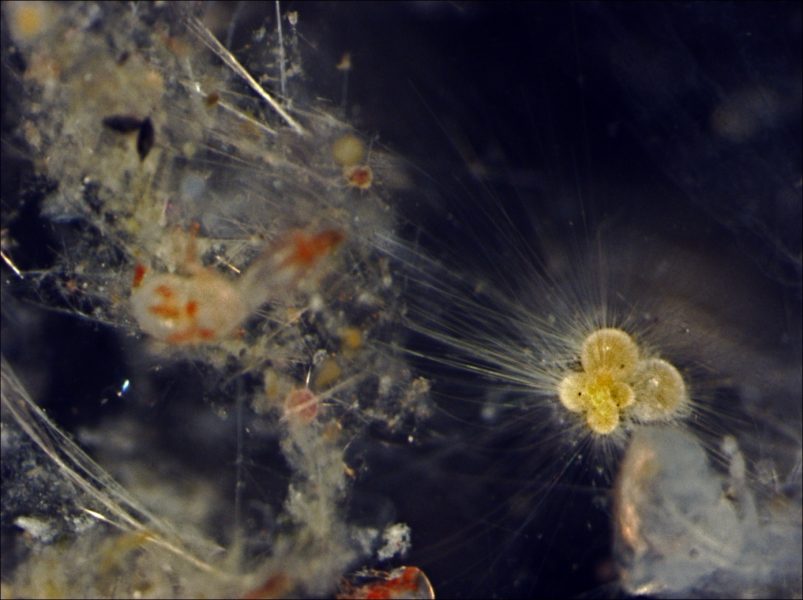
<point x="660" y="389"/>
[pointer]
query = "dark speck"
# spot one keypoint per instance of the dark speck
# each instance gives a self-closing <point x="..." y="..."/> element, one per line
<point x="145" y="138"/>
<point x="123" y="123"/>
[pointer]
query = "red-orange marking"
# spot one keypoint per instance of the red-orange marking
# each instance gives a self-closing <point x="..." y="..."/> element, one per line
<point x="206" y="334"/>
<point x="360" y="177"/>
<point x="406" y="582"/>
<point x="164" y="291"/>
<point x="405" y="585"/>
<point x="139" y="275"/>
<point x="274" y="586"/>
<point x="309" y="249"/>
<point x="191" y="308"/>
<point x="180" y="337"/>
<point x="165" y="310"/>
<point x="191" y="334"/>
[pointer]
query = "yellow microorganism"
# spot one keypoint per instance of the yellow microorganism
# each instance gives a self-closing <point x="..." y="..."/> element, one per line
<point x="348" y="150"/>
<point x="29" y="20"/>
<point x="327" y="374"/>
<point x="351" y="338"/>
<point x="609" y="350"/>
<point x="599" y="395"/>
<point x="616" y="383"/>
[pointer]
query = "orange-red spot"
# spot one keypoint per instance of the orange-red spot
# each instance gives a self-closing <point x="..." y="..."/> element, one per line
<point x="328" y="240"/>
<point x="191" y="308"/>
<point x="185" y="336"/>
<point x="360" y="177"/>
<point x="190" y="335"/>
<point x="398" y="587"/>
<point x="392" y="588"/>
<point x="274" y="586"/>
<point x="308" y="250"/>
<point x="177" y="46"/>
<point x="164" y="291"/>
<point x="139" y="275"/>
<point x="179" y="337"/>
<point x="406" y="582"/>
<point x="206" y="334"/>
<point x="167" y="311"/>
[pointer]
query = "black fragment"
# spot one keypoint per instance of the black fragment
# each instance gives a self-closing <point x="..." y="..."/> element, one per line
<point x="123" y="123"/>
<point x="145" y="138"/>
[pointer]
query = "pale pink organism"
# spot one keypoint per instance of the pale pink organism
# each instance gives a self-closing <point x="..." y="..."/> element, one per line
<point x="301" y="405"/>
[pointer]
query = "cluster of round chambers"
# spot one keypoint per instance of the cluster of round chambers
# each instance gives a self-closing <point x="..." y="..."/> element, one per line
<point x="617" y="384"/>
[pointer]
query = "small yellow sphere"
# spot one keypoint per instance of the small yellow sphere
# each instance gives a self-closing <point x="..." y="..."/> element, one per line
<point x="610" y="350"/>
<point x="348" y="150"/>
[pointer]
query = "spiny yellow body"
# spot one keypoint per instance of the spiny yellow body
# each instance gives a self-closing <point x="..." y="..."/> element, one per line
<point x="617" y="384"/>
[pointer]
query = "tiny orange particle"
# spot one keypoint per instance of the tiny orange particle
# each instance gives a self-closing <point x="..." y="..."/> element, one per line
<point x="360" y="176"/>
<point x="164" y="291"/>
<point x="306" y="250"/>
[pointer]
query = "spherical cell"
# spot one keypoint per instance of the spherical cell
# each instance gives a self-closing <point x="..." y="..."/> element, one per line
<point x="30" y="20"/>
<point x="603" y="422"/>
<point x="599" y="395"/>
<point x="348" y="150"/>
<point x="610" y="350"/>
<point x="660" y="391"/>
<point x="301" y="405"/>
